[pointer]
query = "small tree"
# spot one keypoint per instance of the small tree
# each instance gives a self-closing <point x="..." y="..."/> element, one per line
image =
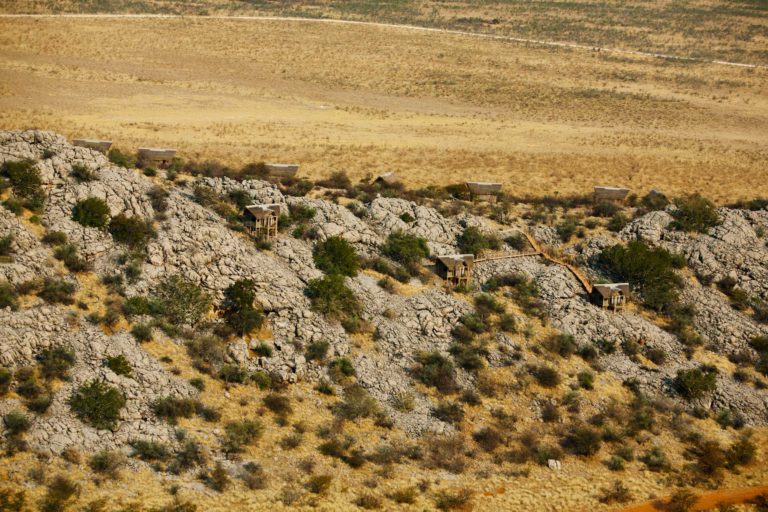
<point x="331" y="296"/>
<point x="132" y="231"/>
<point x="238" y="309"/>
<point x="97" y="404"/>
<point x="183" y="302"/>
<point x="695" y="213"/>
<point x="56" y="361"/>
<point x="336" y="256"/>
<point x="473" y="241"/>
<point x="92" y="212"/>
<point x="404" y="248"/>
<point x="26" y="182"/>
<point x="695" y="383"/>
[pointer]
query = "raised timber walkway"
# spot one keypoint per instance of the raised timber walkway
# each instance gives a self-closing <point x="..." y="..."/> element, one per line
<point x="538" y="250"/>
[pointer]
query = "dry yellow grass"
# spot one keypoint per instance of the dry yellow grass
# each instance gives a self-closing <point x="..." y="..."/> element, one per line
<point x="435" y="107"/>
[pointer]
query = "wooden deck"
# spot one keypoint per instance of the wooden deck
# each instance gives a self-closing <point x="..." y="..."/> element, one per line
<point x="538" y="250"/>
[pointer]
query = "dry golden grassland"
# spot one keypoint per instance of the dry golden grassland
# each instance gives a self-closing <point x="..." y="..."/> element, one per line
<point x="434" y="107"/>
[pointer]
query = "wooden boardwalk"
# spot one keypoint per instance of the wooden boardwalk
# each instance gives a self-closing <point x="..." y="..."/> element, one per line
<point x="538" y="250"/>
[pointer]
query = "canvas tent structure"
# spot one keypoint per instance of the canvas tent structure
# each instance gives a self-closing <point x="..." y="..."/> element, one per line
<point x="455" y="268"/>
<point x="611" y="295"/>
<point x="97" y="145"/>
<point x="282" y="170"/>
<point x="160" y="157"/>
<point x="610" y="194"/>
<point x="261" y="220"/>
<point x="483" y="191"/>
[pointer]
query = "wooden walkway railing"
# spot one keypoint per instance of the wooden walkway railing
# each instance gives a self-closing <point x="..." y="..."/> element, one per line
<point x="538" y="250"/>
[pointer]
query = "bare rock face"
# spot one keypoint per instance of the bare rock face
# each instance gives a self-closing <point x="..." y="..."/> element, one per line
<point x="649" y="228"/>
<point x="260" y="192"/>
<point x="385" y="215"/>
<point x="334" y="220"/>
<point x="29" y="258"/>
<point x="26" y="333"/>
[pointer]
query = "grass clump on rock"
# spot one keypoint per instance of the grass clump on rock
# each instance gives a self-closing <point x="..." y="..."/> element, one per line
<point x="92" y="213"/>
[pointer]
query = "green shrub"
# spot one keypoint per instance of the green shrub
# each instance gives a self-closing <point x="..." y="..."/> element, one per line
<point x="654" y="201"/>
<point x="9" y="298"/>
<point x="517" y="241"/>
<point x="16" y="423"/>
<point x="263" y="350"/>
<point x="507" y="323"/>
<point x="135" y="232"/>
<point x="120" y="365"/>
<point x="357" y="403"/>
<point x="57" y="291"/>
<point x="158" y="198"/>
<point x="13" y="205"/>
<point x="278" y="404"/>
<point x="171" y="408"/>
<point x="117" y="157"/>
<point x="648" y="270"/>
<point x="5" y="380"/>
<point x="436" y="370"/>
<point x="97" y="404"/>
<point x="107" y="463"/>
<point x="317" y="350"/>
<point x="695" y="383"/>
<point x="605" y="209"/>
<point x="207" y="352"/>
<point x="55" y="362"/>
<point x="563" y="345"/>
<point x="330" y="296"/>
<point x="486" y="305"/>
<point x="546" y="376"/>
<point x="405" y="249"/>
<point x="454" y="500"/>
<point x="68" y="253"/>
<point x="6" y="245"/>
<point x="341" y="367"/>
<point x="142" y="332"/>
<point x="92" y="212"/>
<point x="682" y="500"/>
<point x="82" y="174"/>
<point x="474" y="241"/>
<point x="617" y="222"/>
<point x="233" y="374"/>
<point x="190" y="455"/>
<point x="26" y="182"/>
<point x="655" y="459"/>
<point x="238" y="308"/>
<point x="149" y="450"/>
<point x="695" y="213"/>
<point x="61" y="493"/>
<point x="238" y="434"/>
<point x="182" y="301"/>
<point x="449" y="412"/>
<point x="566" y="229"/>
<point x="582" y="441"/>
<point x="336" y="256"/>
<point x="586" y="379"/>
<point x="319" y="484"/>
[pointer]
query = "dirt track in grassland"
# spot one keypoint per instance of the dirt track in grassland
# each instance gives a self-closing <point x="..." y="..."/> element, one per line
<point x="710" y="500"/>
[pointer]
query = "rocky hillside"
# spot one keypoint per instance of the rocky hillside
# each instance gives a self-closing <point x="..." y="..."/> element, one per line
<point x="124" y="340"/>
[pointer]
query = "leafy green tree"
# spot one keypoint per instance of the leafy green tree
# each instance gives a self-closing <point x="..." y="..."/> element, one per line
<point x="132" y="231"/>
<point x="97" y="404"/>
<point x="183" y="302"/>
<point x="238" y="307"/>
<point x="92" y="212"/>
<point x="695" y="213"/>
<point x="473" y="241"/>
<point x="331" y="296"/>
<point x="648" y="270"/>
<point x="336" y="256"/>
<point x="404" y="248"/>
<point x="27" y="184"/>
<point x="695" y="383"/>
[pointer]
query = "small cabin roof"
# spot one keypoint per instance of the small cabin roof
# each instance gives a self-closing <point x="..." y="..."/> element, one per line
<point x="611" y="192"/>
<point x="263" y="210"/>
<point x="91" y="141"/>
<point x="608" y="290"/>
<point x="283" y="170"/>
<point x="157" y="153"/>
<point x="483" y="187"/>
<point x="452" y="260"/>
<point x="387" y="177"/>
